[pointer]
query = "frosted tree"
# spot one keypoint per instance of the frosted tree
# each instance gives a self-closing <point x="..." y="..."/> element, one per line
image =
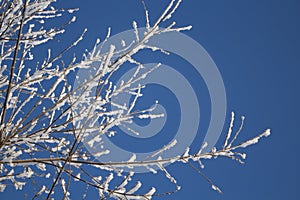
<point x="45" y="120"/>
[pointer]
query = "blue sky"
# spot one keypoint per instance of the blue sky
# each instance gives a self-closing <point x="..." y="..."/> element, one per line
<point x="255" y="45"/>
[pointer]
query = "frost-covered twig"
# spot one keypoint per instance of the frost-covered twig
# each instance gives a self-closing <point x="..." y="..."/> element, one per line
<point x="45" y="122"/>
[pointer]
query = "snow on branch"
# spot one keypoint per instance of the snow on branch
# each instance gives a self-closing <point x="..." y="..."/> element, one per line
<point x="47" y="123"/>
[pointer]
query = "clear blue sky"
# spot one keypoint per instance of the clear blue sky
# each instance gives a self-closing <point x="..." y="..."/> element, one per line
<point x="255" y="45"/>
